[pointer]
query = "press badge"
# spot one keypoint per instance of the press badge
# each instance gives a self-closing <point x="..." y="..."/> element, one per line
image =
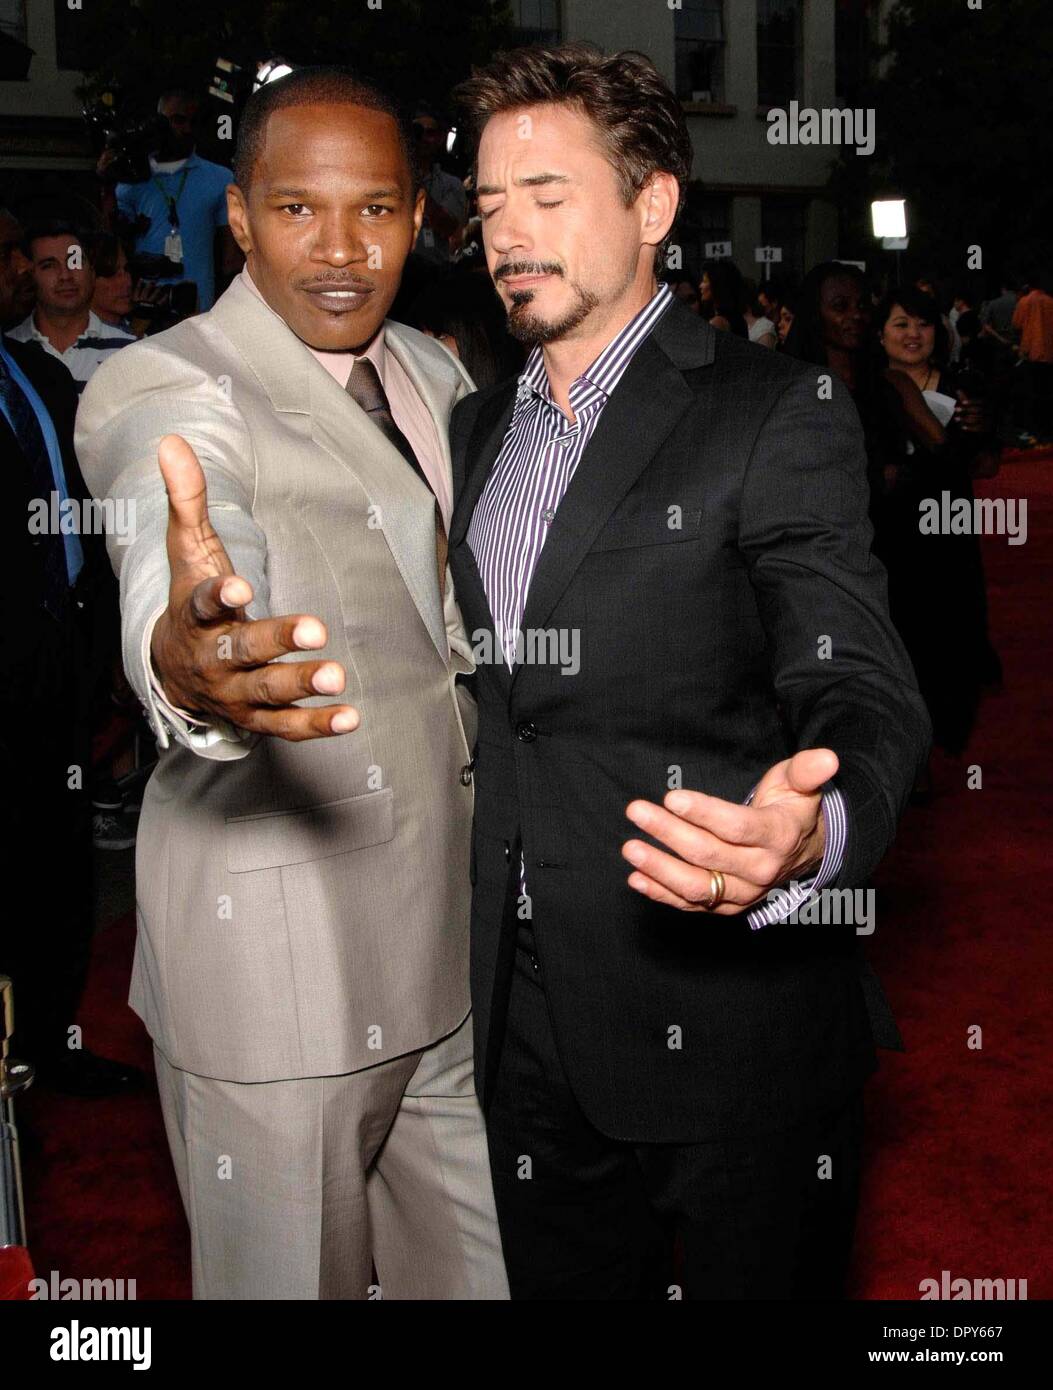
<point x="174" y="246"/>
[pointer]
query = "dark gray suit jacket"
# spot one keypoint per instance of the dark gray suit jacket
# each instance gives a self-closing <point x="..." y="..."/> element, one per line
<point x="702" y="647"/>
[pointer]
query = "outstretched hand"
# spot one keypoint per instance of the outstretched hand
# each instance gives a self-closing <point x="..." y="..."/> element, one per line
<point x="211" y="660"/>
<point x="779" y="836"/>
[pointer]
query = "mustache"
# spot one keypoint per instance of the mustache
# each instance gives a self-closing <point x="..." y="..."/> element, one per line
<point x="344" y="282"/>
<point x="502" y="272"/>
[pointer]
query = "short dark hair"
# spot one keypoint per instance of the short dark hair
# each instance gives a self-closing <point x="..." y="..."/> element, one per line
<point x="307" y="87"/>
<point x="918" y="305"/>
<point x="105" y="253"/>
<point x="639" y="121"/>
<point x="178" y="94"/>
<point x="58" y="227"/>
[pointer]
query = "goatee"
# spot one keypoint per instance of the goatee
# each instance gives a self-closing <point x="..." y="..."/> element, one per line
<point x="531" y="328"/>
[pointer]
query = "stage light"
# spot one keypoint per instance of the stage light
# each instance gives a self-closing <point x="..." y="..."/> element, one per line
<point x="270" y="71"/>
<point x="889" y="217"/>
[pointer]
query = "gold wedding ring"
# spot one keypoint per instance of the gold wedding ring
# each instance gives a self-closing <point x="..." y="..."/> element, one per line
<point x="716" y="890"/>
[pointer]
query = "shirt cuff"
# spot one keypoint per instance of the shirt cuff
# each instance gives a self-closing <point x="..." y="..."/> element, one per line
<point x="171" y="721"/>
<point x="783" y="901"/>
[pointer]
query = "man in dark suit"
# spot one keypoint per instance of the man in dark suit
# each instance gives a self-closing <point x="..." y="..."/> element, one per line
<point x="61" y="609"/>
<point x="662" y="554"/>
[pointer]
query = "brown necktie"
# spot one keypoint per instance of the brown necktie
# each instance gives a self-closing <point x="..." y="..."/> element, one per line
<point x="364" y="387"/>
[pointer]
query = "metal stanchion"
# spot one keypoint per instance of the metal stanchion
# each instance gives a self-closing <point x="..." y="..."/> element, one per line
<point x="14" y="1077"/>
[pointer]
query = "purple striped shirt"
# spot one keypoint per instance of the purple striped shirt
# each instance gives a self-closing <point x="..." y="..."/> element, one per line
<point x="509" y="526"/>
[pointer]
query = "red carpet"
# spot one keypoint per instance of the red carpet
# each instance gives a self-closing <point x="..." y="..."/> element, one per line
<point x="959" y="1145"/>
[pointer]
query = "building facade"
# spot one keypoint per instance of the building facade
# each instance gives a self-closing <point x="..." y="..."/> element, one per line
<point x="730" y="63"/>
<point x="40" y="114"/>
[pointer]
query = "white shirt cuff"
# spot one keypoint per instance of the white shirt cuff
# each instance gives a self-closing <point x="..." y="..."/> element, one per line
<point x="795" y="894"/>
<point x="220" y="738"/>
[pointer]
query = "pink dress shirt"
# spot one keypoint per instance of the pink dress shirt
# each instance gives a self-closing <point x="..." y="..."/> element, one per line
<point x="408" y="410"/>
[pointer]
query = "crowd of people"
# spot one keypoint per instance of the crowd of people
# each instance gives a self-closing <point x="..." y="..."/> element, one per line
<point x="943" y="380"/>
<point x="304" y="835"/>
<point x="944" y="376"/>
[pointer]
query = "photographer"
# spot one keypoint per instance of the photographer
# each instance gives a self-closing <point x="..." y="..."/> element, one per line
<point x="179" y="210"/>
<point x="445" y="201"/>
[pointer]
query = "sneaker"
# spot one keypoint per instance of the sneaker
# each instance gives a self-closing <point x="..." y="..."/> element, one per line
<point x="112" y="830"/>
<point x="106" y="795"/>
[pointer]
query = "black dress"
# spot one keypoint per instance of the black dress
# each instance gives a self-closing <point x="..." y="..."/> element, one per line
<point x="937" y="592"/>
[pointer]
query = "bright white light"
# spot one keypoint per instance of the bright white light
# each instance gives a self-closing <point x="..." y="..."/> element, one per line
<point x="889" y="216"/>
<point x="270" y="72"/>
<point x="450" y="138"/>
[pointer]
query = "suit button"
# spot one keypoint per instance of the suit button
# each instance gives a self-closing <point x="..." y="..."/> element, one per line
<point x="466" y="775"/>
<point x="526" y="731"/>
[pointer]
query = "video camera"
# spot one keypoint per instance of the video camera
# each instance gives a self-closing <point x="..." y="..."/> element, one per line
<point x="130" y="134"/>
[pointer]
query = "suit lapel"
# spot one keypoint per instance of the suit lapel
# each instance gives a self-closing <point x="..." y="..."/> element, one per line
<point x="298" y="385"/>
<point x="480" y="455"/>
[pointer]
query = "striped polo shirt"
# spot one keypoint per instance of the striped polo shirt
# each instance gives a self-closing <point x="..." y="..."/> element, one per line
<point x="518" y="504"/>
<point x="81" y="358"/>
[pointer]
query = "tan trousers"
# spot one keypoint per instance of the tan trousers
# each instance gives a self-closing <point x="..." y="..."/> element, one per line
<point x="297" y="1189"/>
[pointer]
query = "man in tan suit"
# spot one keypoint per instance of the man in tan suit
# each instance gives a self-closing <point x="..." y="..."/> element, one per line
<point x="303" y="867"/>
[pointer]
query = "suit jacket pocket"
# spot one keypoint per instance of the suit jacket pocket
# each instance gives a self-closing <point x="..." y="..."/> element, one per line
<point x="648" y="528"/>
<point x="273" y="838"/>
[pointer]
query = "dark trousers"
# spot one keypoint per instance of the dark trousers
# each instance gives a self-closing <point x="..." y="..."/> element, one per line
<point x="584" y="1216"/>
<point x="1040" y="380"/>
<point x="45" y="943"/>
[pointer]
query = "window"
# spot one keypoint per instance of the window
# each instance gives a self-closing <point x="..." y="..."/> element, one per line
<point x="699" y="36"/>
<point x="778" y="51"/>
<point x="706" y="218"/>
<point x="854" y="22"/>
<point x="13" y="19"/>
<point x="536" y="21"/>
<point x="783" y="223"/>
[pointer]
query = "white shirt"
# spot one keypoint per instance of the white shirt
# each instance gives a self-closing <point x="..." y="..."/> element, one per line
<point x="761" y="327"/>
<point x="81" y="358"/>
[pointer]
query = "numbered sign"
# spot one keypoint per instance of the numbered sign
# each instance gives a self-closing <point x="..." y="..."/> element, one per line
<point x="718" y="250"/>
<point x="767" y="256"/>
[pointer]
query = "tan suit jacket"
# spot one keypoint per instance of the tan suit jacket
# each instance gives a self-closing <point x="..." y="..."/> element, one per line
<point x="302" y="907"/>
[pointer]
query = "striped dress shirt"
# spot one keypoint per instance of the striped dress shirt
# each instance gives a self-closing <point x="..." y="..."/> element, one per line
<point x="510" y="524"/>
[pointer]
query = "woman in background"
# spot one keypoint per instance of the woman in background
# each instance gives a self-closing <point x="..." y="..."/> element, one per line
<point x="723" y="293"/>
<point x="760" y="327"/>
<point x="936" y="594"/>
<point x="463" y="311"/>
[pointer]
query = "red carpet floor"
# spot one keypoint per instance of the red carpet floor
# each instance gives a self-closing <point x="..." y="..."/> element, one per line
<point x="960" y="1152"/>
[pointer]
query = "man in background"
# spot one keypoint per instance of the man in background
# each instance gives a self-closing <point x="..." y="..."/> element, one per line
<point x="1033" y="320"/>
<point x="445" y="201"/>
<point x="180" y="210"/>
<point x="16" y="300"/>
<point x="63" y="323"/>
<point x="62" y="604"/>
